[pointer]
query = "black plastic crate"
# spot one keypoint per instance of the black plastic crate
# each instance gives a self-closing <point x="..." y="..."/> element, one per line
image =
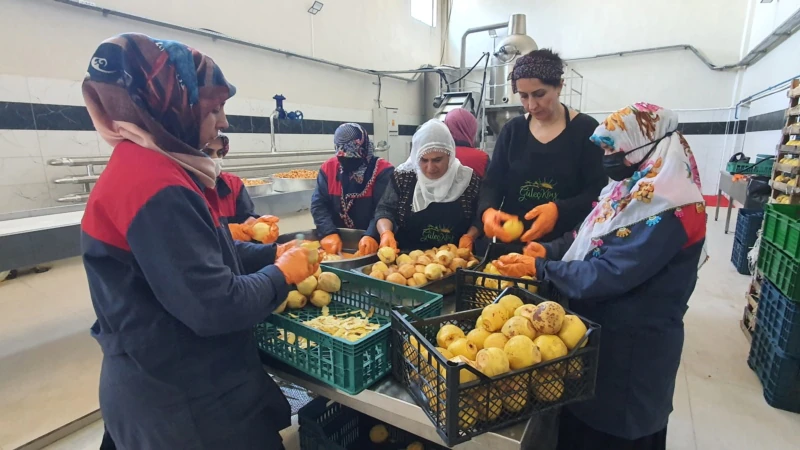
<point x="462" y="411"/>
<point x="748" y="222"/>
<point x="475" y="289"/>
<point x="779" y="319"/>
<point x="778" y="372"/>
<point x="739" y="257"/>
<point x="327" y="425"/>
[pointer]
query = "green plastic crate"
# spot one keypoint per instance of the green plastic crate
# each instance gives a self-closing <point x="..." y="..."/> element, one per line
<point x="345" y="365"/>
<point x="747" y="168"/>
<point x="782" y="228"/>
<point x="763" y="156"/>
<point x="780" y="269"/>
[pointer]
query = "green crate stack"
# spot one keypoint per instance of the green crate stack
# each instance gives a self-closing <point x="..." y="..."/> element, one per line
<point x="779" y="254"/>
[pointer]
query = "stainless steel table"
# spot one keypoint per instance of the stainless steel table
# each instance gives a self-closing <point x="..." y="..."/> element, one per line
<point x="389" y="402"/>
<point x="733" y="191"/>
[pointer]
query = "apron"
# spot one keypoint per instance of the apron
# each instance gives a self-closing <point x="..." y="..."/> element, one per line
<point x="438" y="224"/>
<point x="534" y="175"/>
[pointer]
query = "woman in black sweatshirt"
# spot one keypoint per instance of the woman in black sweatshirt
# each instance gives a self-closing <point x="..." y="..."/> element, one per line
<point x="544" y="168"/>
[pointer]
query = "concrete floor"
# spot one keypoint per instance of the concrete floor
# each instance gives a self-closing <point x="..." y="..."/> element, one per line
<point x="49" y="365"/>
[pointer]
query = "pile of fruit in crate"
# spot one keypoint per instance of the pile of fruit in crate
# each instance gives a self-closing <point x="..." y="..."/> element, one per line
<point x="316" y="290"/>
<point x="508" y="336"/>
<point x="492" y="283"/>
<point x="421" y="266"/>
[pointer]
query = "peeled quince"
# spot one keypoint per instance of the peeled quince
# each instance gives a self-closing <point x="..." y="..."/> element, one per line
<point x="387" y="255"/>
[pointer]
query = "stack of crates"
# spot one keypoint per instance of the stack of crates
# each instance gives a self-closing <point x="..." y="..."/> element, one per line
<point x="747" y="226"/>
<point x="775" y="348"/>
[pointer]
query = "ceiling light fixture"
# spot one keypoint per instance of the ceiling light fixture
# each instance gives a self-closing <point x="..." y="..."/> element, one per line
<point x="315" y="8"/>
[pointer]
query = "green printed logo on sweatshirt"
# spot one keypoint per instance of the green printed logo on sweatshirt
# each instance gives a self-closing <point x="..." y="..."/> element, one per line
<point x="538" y="190"/>
<point x="434" y="233"/>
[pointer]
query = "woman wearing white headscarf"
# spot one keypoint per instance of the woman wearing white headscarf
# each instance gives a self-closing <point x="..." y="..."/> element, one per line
<point x="631" y="267"/>
<point x="432" y="199"/>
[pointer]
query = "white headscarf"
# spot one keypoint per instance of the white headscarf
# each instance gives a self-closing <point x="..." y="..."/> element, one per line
<point x="670" y="174"/>
<point x="434" y="136"/>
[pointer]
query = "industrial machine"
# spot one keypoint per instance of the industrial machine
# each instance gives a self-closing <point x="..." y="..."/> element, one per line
<point x="503" y="104"/>
<point x="486" y="94"/>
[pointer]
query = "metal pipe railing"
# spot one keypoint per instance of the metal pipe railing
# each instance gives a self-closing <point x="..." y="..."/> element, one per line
<point x="257" y="155"/>
<point x="249" y="167"/>
<point x="91" y="178"/>
<point x="71" y="161"/>
<point x="273" y="147"/>
<point x="77" y="179"/>
<point x="73" y="198"/>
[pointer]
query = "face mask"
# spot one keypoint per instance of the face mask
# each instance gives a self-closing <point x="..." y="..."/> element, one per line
<point x="350" y="164"/>
<point x="218" y="165"/>
<point x="615" y="167"/>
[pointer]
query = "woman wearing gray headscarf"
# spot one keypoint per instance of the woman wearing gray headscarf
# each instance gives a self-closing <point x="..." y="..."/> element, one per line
<point x="544" y="169"/>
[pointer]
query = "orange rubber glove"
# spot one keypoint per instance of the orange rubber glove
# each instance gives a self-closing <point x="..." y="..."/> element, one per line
<point x="493" y="224"/>
<point x="544" y="217"/>
<point x="239" y="232"/>
<point x="295" y="265"/>
<point x="516" y="265"/>
<point x="367" y="246"/>
<point x="387" y="240"/>
<point x="466" y="241"/>
<point x="332" y="244"/>
<point x="273" y="233"/>
<point x="535" y="250"/>
<point x="280" y="249"/>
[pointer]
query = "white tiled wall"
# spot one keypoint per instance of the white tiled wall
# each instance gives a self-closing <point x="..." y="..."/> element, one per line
<point x="26" y="178"/>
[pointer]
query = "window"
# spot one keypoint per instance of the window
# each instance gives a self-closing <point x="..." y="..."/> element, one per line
<point x="424" y="11"/>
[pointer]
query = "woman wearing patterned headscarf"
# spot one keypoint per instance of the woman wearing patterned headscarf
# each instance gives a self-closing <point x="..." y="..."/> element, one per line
<point x="543" y="169"/>
<point x="176" y="298"/>
<point x="631" y="268"/>
<point x="349" y="187"/>
<point x="432" y="199"/>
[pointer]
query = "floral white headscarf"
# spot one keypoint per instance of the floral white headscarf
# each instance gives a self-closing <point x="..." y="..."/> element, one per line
<point x="668" y="180"/>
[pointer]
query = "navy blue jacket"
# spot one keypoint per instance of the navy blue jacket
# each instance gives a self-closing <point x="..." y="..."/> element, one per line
<point x="326" y="201"/>
<point x="235" y="204"/>
<point x="636" y="285"/>
<point x="176" y="300"/>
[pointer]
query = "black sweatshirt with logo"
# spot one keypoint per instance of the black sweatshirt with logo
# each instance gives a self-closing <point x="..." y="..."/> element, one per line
<point x="524" y="173"/>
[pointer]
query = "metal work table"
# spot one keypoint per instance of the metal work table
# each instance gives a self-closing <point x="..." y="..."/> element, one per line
<point x="389" y="402"/>
<point x="733" y="191"/>
<point x="42" y="236"/>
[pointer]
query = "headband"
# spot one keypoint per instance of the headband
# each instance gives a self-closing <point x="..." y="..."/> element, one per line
<point x="535" y="66"/>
